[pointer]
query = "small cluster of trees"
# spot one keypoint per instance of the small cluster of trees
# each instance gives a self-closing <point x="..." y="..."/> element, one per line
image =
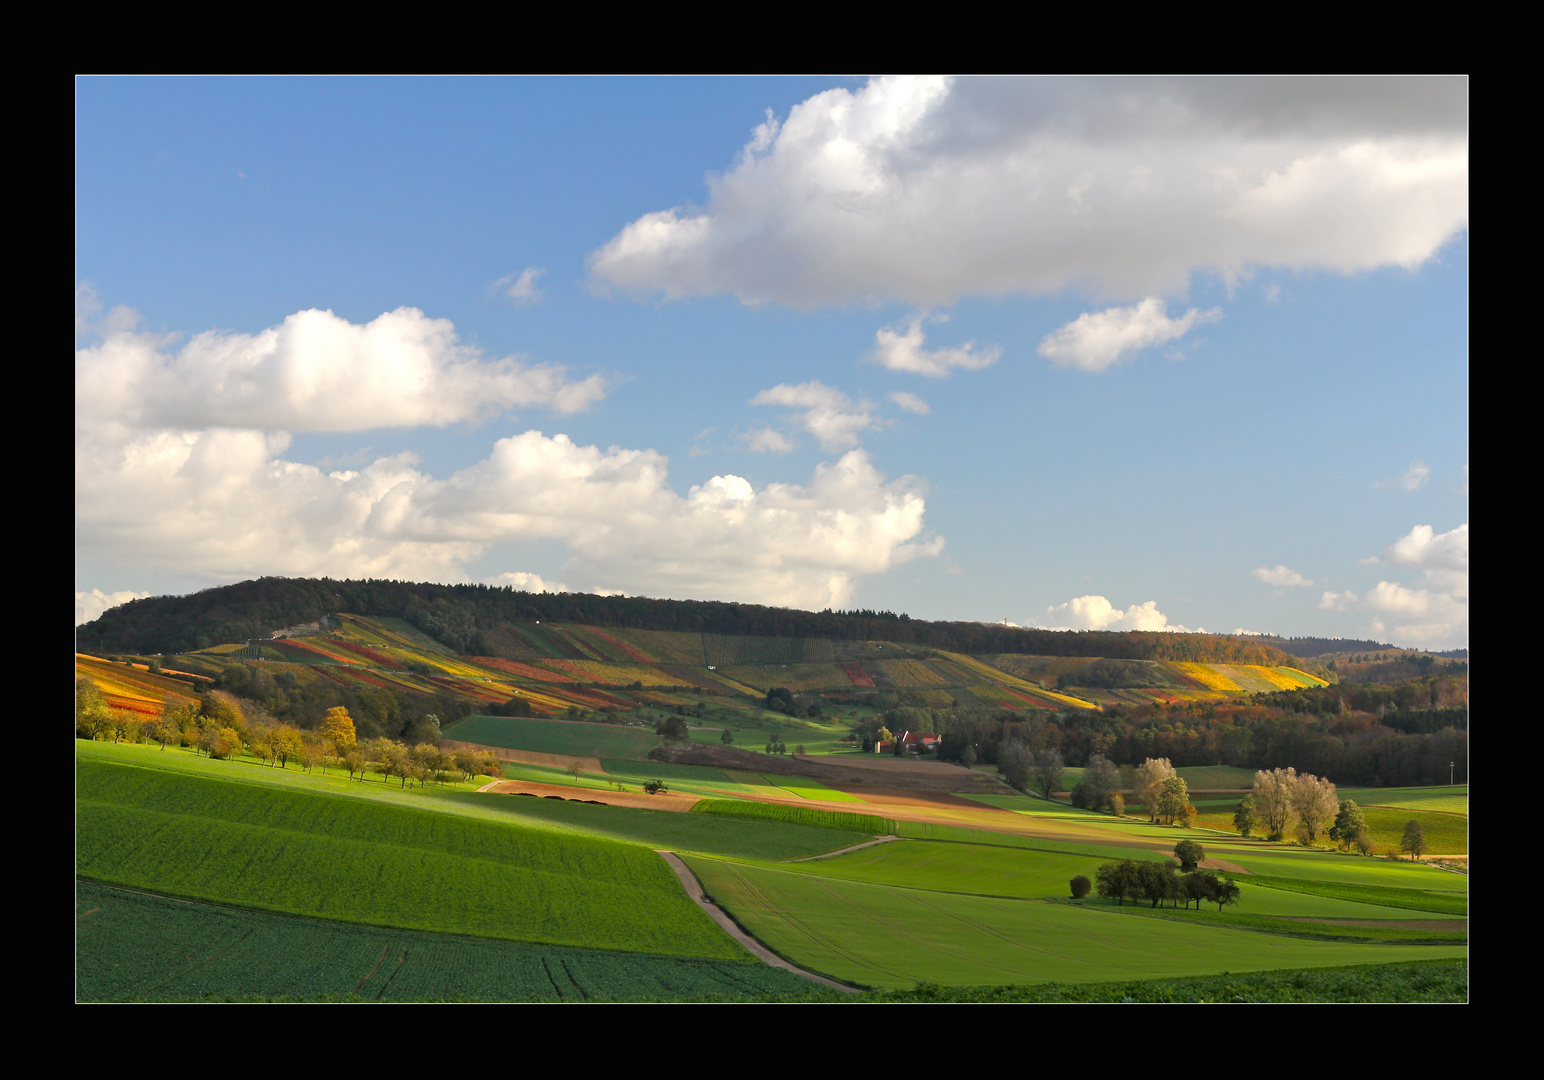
<point x="1164" y="793"/>
<point x="1156" y="882"/>
<point x="1020" y="764"/>
<point x="1284" y="801"/>
<point x="1097" y="789"/>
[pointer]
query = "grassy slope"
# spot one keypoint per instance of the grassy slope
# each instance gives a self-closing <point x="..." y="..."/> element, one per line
<point x="308" y="854"/>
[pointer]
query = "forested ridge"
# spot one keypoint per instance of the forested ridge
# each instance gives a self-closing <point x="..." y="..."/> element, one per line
<point x="467" y="618"/>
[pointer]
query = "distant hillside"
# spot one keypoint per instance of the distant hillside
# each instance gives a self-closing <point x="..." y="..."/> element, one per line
<point x="479" y="619"/>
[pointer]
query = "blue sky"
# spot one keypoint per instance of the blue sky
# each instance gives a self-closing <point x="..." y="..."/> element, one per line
<point x="1087" y="353"/>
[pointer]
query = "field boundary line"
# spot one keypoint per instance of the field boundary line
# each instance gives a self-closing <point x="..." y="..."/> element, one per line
<point x="845" y="850"/>
<point x="694" y="891"/>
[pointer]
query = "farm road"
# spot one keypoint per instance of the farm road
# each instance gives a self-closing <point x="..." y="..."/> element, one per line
<point x="693" y="889"/>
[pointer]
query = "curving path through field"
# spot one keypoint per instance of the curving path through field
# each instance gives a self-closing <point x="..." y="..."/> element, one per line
<point x="693" y="889"/>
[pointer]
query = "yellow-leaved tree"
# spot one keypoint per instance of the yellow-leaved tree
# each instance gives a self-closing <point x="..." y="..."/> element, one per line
<point x="338" y="729"/>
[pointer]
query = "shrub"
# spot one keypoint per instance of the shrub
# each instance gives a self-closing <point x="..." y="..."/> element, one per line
<point x="1080" y="887"/>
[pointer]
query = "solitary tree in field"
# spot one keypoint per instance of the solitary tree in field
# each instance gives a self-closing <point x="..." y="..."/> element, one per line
<point x="1244" y="816"/>
<point x="1273" y="800"/>
<point x="1349" y="824"/>
<point x="1100" y="779"/>
<point x="1414" y="840"/>
<point x="1048" y="771"/>
<point x="1189" y="853"/>
<point x="726" y="738"/>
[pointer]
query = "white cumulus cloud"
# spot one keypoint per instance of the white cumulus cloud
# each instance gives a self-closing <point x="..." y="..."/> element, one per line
<point x="222" y="505"/>
<point x="910" y="402"/>
<point x="902" y="350"/>
<point x="1097" y="613"/>
<point x="1096" y="339"/>
<point x="1433" y="613"/>
<point x="825" y="412"/>
<point x="929" y="189"/>
<point x="313" y="372"/>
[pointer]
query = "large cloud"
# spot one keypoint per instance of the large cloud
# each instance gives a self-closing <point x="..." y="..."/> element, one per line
<point x="926" y="190"/>
<point x="313" y="372"/>
<point x="221" y="505"/>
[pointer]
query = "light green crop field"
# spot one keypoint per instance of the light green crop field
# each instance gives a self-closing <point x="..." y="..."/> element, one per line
<point x="1451" y="800"/>
<point x="1446" y="834"/>
<point x="555" y="736"/>
<point x="806" y="788"/>
<point x="301" y="853"/>
<point x="882" y="936"/>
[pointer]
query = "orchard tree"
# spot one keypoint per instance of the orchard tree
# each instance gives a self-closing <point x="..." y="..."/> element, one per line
<point x="1173" y="798"/>
<point x="1149" y="783"/>
<point x="338" y="729"/>
<point x="1414" y="840"/>
<point x="1189" y="853"/>
<point x="1273" y="800"/>
<point x="1048" y="771"/>
<point x="1100" y="779"/>
<point x="1314" y="805"/>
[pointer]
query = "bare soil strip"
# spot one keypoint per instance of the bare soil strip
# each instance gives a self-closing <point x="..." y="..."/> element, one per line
<point x="889" y="764"/>
<point x="845" y="850"/>
<point x="693" y="889"/>
<point x="528" y="757"/>
<point x="665" y="800"/>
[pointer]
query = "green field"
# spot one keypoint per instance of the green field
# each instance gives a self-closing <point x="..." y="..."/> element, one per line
<point x="888" y="937"/>
<point x="555" y="737"/>
<point x="340" y="889"/>
<point x="806" y="788"/>
<point x="134" y="947"/>
<point x="1450" y="800"/>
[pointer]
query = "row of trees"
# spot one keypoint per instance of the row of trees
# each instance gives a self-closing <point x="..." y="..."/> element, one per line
<point x="218" y="728"/>
<point x="1156" y="882"/>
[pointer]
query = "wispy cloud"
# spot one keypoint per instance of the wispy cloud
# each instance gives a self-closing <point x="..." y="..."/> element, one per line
<point x="902" y="350"/>
<point x="521" y="287"/>
<point x="1097" y="339"/>
<point x="825" y="412"/>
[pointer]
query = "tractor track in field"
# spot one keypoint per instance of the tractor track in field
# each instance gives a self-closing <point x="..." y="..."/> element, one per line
<point x="694" y="891"/>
